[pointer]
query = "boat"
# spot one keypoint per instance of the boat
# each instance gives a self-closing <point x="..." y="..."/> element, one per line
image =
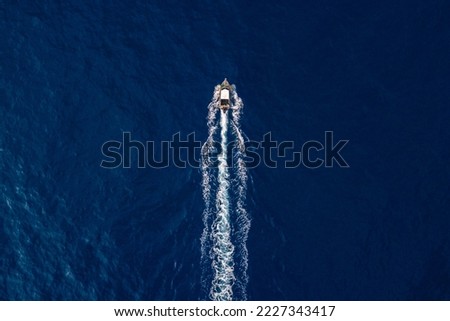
<point x="225" y="90"/>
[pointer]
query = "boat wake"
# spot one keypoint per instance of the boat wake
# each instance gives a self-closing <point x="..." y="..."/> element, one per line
<point x="225" y="218"/>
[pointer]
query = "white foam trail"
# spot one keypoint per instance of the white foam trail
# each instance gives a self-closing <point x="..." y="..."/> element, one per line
<point x="225" y="218"/>
<point x="222" y="248"/>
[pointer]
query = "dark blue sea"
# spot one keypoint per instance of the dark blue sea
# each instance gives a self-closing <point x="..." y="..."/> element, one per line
<point x="75" y="74"/>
